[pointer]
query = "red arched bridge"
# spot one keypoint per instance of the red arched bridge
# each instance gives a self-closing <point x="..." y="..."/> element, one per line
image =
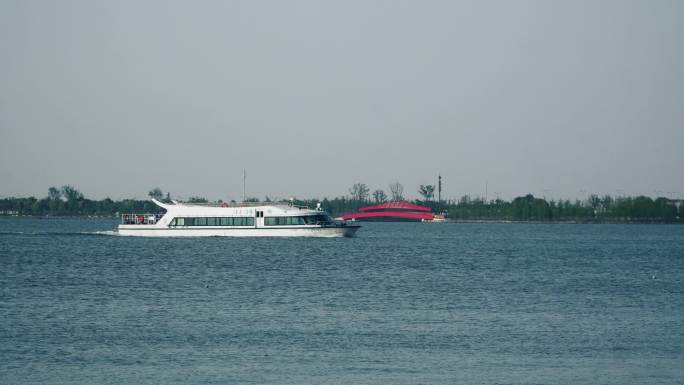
<point x="392" y="211"/>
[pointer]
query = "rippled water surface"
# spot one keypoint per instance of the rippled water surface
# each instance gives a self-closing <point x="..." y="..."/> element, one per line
<point x="398" y="304"/>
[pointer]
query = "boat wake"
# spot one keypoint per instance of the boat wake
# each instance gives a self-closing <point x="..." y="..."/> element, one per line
<point x="60" y="233"/>
<point x="106" y="232"/>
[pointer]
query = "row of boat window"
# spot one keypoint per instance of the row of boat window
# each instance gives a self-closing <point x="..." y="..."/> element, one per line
<point x="249" y="221"/>
<point x="210" y="221"/>
<point x="289" y="221"/>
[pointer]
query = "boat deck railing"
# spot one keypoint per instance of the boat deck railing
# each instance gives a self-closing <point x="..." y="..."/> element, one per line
<point x="140" y="219"/>
<point x="245" y="204"/>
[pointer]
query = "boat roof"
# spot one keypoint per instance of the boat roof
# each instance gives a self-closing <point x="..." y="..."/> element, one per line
<point x="280" y="208"/>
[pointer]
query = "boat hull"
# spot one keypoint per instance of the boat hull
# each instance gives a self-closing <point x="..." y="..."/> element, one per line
<point x="153" y="231"/>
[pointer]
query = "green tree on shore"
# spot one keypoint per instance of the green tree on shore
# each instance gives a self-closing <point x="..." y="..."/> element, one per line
<point x="379" y="196"/>
<point x="54" y="194"/>
<point x="427" y="191"/>
<point x="156" y="193"/>
<point x="71" y="194"/>
<point x="359" y="192"/>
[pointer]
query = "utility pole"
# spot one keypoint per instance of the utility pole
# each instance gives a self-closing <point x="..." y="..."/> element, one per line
<point x="244" y="183"/>
<point x="439" y="188"/>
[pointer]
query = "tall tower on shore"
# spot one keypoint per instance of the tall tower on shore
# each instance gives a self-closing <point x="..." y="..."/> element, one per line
<point x="439" y="188"/>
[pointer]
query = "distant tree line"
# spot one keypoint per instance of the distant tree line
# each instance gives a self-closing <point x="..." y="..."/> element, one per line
<point x="640" y="209"/>
<point x="68" y="201"/>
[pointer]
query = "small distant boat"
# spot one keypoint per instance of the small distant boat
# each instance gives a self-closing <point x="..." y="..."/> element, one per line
<point x="437" y="218"/>
<point x="239" y="220"/>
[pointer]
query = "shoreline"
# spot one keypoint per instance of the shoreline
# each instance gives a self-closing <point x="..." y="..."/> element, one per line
<point x="577" y="222"/>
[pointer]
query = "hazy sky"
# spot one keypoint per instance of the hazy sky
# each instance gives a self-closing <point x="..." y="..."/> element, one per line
<point x="548" y="97"/>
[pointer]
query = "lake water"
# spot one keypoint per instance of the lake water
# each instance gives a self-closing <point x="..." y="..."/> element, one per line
<point x="401" y="303"/>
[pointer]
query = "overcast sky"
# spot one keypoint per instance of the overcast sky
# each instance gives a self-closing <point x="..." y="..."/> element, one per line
<point x="547" y="97"/>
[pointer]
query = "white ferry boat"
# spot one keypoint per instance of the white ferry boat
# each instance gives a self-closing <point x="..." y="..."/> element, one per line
<point x="241" y="220"/>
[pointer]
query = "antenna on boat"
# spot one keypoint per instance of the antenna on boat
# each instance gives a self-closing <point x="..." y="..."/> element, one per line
<point x="244" y="183"/>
